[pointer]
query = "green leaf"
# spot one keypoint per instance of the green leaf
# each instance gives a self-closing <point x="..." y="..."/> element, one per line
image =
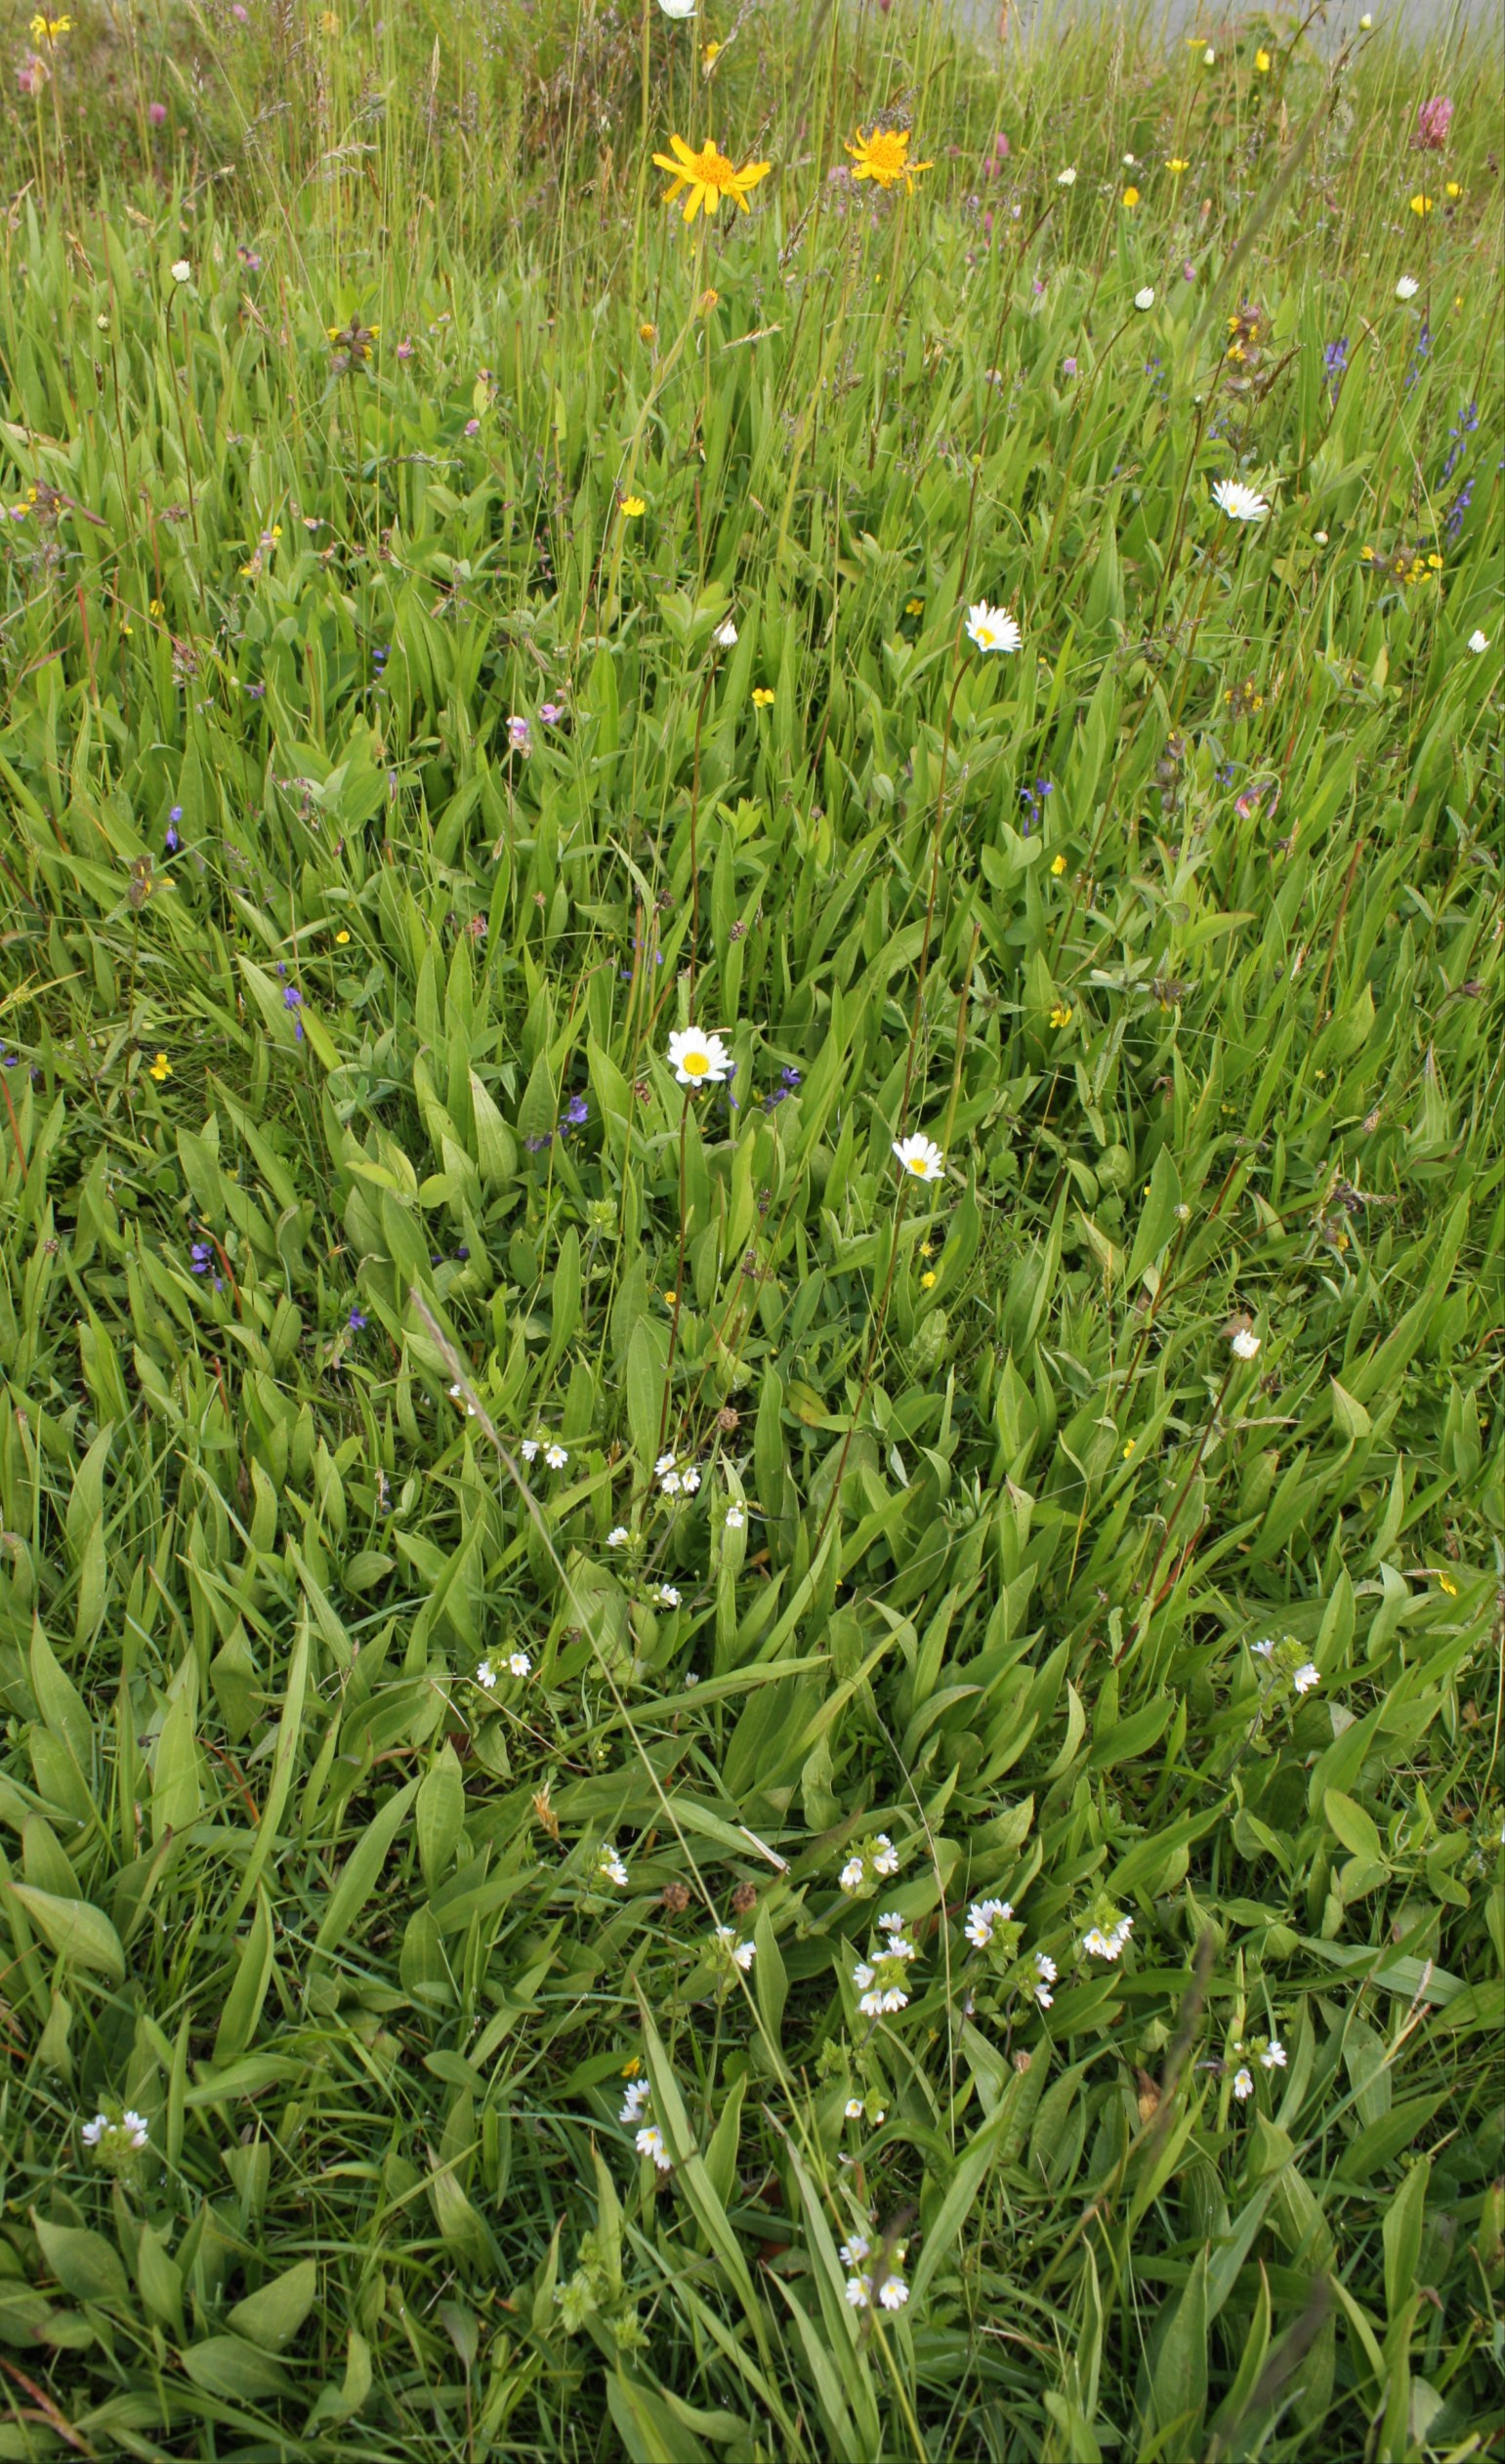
<point x="79" y="1935"/>
<point x="272" y="2317"/>
<point x="235" y="2371"/>
<point x="84" y="2263"/>
<point x="361" y="1870"/>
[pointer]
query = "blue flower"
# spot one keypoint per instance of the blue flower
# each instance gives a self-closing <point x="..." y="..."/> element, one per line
<point x="358" y="1321"/>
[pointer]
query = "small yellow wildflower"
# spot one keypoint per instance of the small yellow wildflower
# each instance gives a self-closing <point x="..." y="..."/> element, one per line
<point x="157" y="609"/>
<point x="45" y="29"/>
<point x="1057" y="866"/>
<point x="1131" y="198"/>
<point x="647" y="333"/>
<point x="915" y="606"/>
<point x="1128" y="1449"/>
<point x="161" y="1068"/>
<point x="1177" y="163"/>
<point x="762" y="697"/>
<point x="1446" y="1583"/>
<point x="632" y="507"/>
<point x="341" y="938"/>
<point x="330" y="23"/>
<point x="710" y="56"/>
<point x="671" y="1300"/>
<point x="1262" y="63"/>
<point x="1061" y="1015"/>
<point x="1421" y="204"/>
<point x="927" y="1248"/>
<point x="927" y="1281"/>
<point x="629" y="2070"/>
<point x="709" y="177"/>
<point x="1454" y="187"/>
<point x="884" y="158"/>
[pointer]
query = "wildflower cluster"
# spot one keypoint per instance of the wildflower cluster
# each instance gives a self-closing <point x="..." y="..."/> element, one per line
<point x="1108" y="1935"/>
<point x="1286" y="1663"/>
<point x="883" y="2281"/>
<point x="873" y="1861"/>
<point x="995" y="1934"/>
<point x="116" y="2138"/>
<point x="883" y="1978"/>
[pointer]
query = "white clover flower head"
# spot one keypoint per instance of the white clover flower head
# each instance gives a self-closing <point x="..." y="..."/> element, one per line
<point x="852" y="1875"/>
<point x="981" y="1918"/>
<point x="1128" y="162"/>
<point x="1320" y="537"/>
<point x="992" y="628"/>
<point x="183" y="271"/>
<point x="650" y="2142"/>
<point x="854" y="2110"/>
<point x="725" y="636"/>
<point x="1306" y="1677"/>
<point x="1066" y="179"/>
<point x="1408" y="287"/>
<point x="1240" y="503"/>
<point x="1365" y="23"/>
<point x="635" y="2102"/>
<point x="610" y="1867"/>
<point x="530" y="1446"/>
<point x="618" y="1536"/>
<point x="736" y="1519"/>
<point x="920" y="1156"/>
<point x="519" y="1665"/>
<point x="1245" y="1344"/>
<point x="666" y="1596"/>
<point x="1274" y="2056"/>
<point x="1244" y="2085"/>
<point x="485" y="1676"/>
<point x="1478" y="641"/>
<point x="740" y="1954"/>
<point x="1145" y="298"/>
<point x="556" y="1457"/>
<point x="698" y="1060"/>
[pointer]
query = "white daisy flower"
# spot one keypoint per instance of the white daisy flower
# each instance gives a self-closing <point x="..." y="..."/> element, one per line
<point x="725" y="636"/>
<point x="1274" y="2056"/>
<point x="1145" y="299"/>
<point x="1478" y="643"/>
<point x="736" y="1519"/>
<point x="556" y="1457"/>
<point x="698" y="1060"/>
<point x="485" y="1676"/>
<point x="635" y="2102"/>
<point x="982" y="1917"/>
<point x="519" y="1664"/>
<point x="992" y="628"/>
<point x="1306" y="1677"/>
<point x="650" y="2142"/>
<point x="1408" y="287"/>
<point x="610" y="1867"/>
<point x="740" y="1953"/>
<point x="1066" y="179"/>
<point x="618" y="1536"/>
<point x="1240" y="503"/>
<point x="1245" y="1345"/>
<point x="920" y="1156"/>
<point x="1244" y="2085"/>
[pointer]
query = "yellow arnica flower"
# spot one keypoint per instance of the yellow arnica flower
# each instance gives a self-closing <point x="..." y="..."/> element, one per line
<point x="1131" y="198"/>
<point x="884" y="158"/>
<point x="709" y="177"/>
<point x="1421" y="204"/>
<point x="632" y="507"/>
<point x="160" y="1068"/>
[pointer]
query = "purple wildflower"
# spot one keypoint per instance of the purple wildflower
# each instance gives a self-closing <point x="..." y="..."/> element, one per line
<point x="358" y="1321"/>
<point x="200" y="1257"/>
<point x="519" y="736"/>
<point x="551" y="712"/>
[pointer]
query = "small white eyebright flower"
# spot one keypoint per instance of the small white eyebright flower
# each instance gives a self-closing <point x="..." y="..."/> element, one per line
<point x="1066" y="179"/>
<point x="982" y="1917"/>
<point x="519" y="1664"/>
<point x="1245" y="1344"/>
<point x="893" y="2292"/>
<point x="1306" y="1677"/>
<point x="556" y="1457"/>
<point x="635" y="2102"/>
<point x="859" y="2287"/>
<point x="992" y="628"/>
<point x="1110" y="1944"/>
<point x="698" y="1060"/>
<point x="618" y="1536"/>
<point x="1145" y="298"/>
<point x="1265" y="1649"/>
<point x="1209" y="55"/>
<point x="485" y="1675"/>
<point x="891" y="1922"/>
<point x="725" y="636"/>
<point x="529" y="1446"/>
<point x="134" y="2127"/>
<point x="854" y="2110"/>
<point x="1408" y="287"/>
<point x="650" y="2138"/>
<point x="1244" y="2085"/>
<point x="666" y="1596"/>
<point x="736" y="1519"/>
<point x="665" y="1463"/>
<point x="850" y="1878"/>
<point x="851" y="2253"/>
<point x="94" y="2132"/>
<point x="1274" y="2056"/>
<point x="610" y="1867"/>
<point x="1478" y="643"/>
<point x="1240" y="503"/>
<point x="921" y="1156"/>
<point x="885" y="1855"/>
<point x="740" y="1953"/>
<point x="183" y="271"/>
<point x="690" y="1479"/>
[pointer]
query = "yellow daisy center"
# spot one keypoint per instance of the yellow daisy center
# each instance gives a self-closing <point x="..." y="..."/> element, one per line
<point x="695" y="1064"/>
<point x="887" y="147"/>
<point x="919" y="1167"/>
<point x="712" y="170"/>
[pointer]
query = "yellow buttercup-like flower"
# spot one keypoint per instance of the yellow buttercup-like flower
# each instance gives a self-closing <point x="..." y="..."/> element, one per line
<point x="1131" y="198"/>
<point x="1061" y="1015"/>
<point x="709" y="175"/>
<point x="884" y="158"/>
<point x="762" y="697"/>
<point x="1421" y="203"/>
<point x="45" y="29"/>
<point x="632" y="507"/>
<point x="1262" y="63"/>
<point x="161" y="1068"/>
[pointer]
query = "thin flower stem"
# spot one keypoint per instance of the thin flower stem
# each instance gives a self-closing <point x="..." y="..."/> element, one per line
<point x="679" y="1283"/>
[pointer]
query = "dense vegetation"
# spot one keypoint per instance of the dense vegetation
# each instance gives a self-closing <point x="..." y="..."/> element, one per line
<point x="514" y="1565"/>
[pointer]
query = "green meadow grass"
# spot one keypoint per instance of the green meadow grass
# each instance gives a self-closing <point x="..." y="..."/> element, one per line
<point x="342" y="1159"/>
